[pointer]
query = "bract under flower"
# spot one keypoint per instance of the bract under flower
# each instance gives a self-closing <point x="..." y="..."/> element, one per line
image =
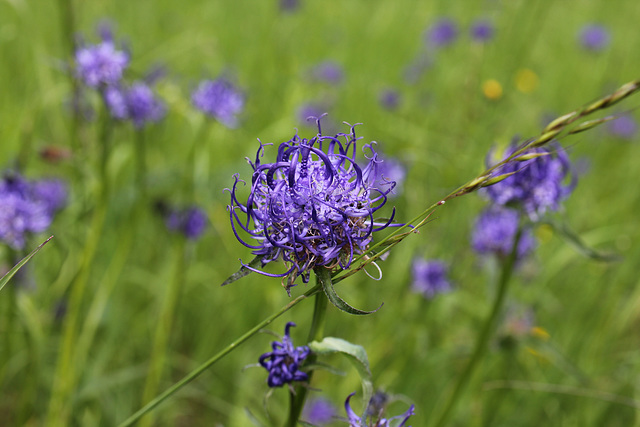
<point x="313" y="206"/>
<point x="375" y="421"/>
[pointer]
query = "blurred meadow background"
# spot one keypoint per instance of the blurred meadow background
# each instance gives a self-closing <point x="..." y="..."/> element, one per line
<point x="78" y="324"/>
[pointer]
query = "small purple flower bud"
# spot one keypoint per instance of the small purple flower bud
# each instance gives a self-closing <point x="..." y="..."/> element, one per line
<point x="314" y="206"/>
<point x="191" y="222"/>
<point x="375" y="420"/>
<point x="442" y="33"/>
<point x="594" y="37"/>
<point x="495" y="230"/>
<point x="101" y="64"/>
<point x="219" y="99"/>
<point x="328" y="72"/>
<point x="284" y="361"/>
<point x="430" y="277"/>
<point x="389" y="99"/>
<point x="624" y="127"/>
<point x="482" y="30"/>
<point x="538" y="184"/>
<point x="319" y="412"/>
<point x="137" y="103"/>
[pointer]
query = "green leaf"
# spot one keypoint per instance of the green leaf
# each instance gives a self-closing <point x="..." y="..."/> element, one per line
<point x="5" y="279"/>
<point x="324" y="275"/>
<point x="574" y="240"/>
<point x="356" y="354"/>
<point x="244" y="271"/>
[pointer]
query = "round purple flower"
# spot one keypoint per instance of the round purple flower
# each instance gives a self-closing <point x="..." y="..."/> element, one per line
<point x="623" y="127"/>
<point x="538" y="185"/>
<point x="482" y="30"/>
<point x="430" y="277"/>
<point x="219" y="99"/>
<point x="495" y="230"/>
<point x="328" y="72"/>
<point x="375" y="420"/>
<point x="390" y="99"/>
<point x="191" y="222"/>
<point x="594" y="37"/>
<point x="137" y="103"/>
<point x="101" y="64"/>
<point x="442" y="33"/>
<point x="284" y="361"/>
<point x="319" y="412"/>
<point x="313" y="206"/>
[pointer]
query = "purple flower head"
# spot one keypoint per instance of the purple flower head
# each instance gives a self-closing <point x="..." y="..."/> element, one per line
<point x="101" y="64"/>
<point x="328" y="72"/>
<point x="495" y="230"/>
<point x="27" y="207"/>
<point x="430" y="277"/>
<point x="219" y="99"/>
<point x="191" y="222"/>
<point x="482" y="30"/>
<point x="313" y="206"/>
<point x="284" y="361"/>
<point x="594" y="37"/>
<point x="538" y="185"/>
<point x="375" y="420"/>
<point x="137" y="103"/>
<point x="442" y="33"/>
<point x="389" y="99"/>
<point x="624" y="127"/>
<point x="319" y="412"/>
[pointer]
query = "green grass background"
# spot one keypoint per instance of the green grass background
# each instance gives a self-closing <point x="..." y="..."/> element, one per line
<point x="442" y="131"/>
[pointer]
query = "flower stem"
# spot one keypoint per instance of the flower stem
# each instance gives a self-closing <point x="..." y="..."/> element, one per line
<point x="316" y="332"/>
<point x="206" y="365"/>
<point x="485" y="334"/>
<point x="141" y="166"/>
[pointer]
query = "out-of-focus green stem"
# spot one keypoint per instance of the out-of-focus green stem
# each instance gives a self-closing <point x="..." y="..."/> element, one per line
<point x="163" y="330"/>
<point x="141" y="166"/>
<point x="206" y="365"/>
<point x="484" y="337"/>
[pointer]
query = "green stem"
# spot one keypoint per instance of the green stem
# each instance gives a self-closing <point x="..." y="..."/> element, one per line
<point x="163" y="330"/>
<point x="484" y="337"/>
<point x="316" y="332"/>
<point x="141" y="166"/>
<point x="192" y="158"/>
<point x="206" y="365"/>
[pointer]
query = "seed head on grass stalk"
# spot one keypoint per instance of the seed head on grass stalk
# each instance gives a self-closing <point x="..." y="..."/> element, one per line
<point x="313" y="207"/>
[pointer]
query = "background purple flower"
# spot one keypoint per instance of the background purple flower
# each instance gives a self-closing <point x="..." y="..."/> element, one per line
<point x="430" y="277"/>
<point x="328" y="72"/>
<point x="594" y="37"/>
<point x="100" y="64"/>
<point x="284" y="361"/>
<point x="319" y="412"/>
<point x="538" y="184"/>
<point x="389" y="99"/>
<point x="624" y="127"/>
<point x="482" y="30"/>
<point x="442" y="33"/>
<point x="192" y="222"/>
<point x="495" y="230"/>
<point x="219" y="99"/>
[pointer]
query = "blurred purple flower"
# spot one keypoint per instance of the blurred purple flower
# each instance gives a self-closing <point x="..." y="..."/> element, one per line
<point x="319" y="412"/>
<point x="624" y="127"/>
<point x="375" y="420"/>
<point x="313" y="206"/>
<point x="538" y="184"/>
<point x="482" y="30"/>
<point x="594" y="37"/>
<point x="495" y="230"/>
<point x="289" y="5"/>
<point x="417" y="68"/>
<point x="390" y="99"/>
<point x="137" y="103"/>
<point x="219" y="99"/>
<point x="101" y="64"/>
<point x="191" y="222"/>
<point x="430" y="277"/>
<point x="389" y="175"/>
<point x="284" y="361"/>
<point x="442" y="33"/>
<point x="27" y="207"/>
<point x="328" y="72"/>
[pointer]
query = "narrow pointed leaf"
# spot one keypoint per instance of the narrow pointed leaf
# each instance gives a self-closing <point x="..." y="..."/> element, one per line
<point x="574" y="240"/>
<point x="327" y="286"/>
<point x="356" y="354"/>
<point x="243" y="271"/>
<point x="19" y="265"/>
